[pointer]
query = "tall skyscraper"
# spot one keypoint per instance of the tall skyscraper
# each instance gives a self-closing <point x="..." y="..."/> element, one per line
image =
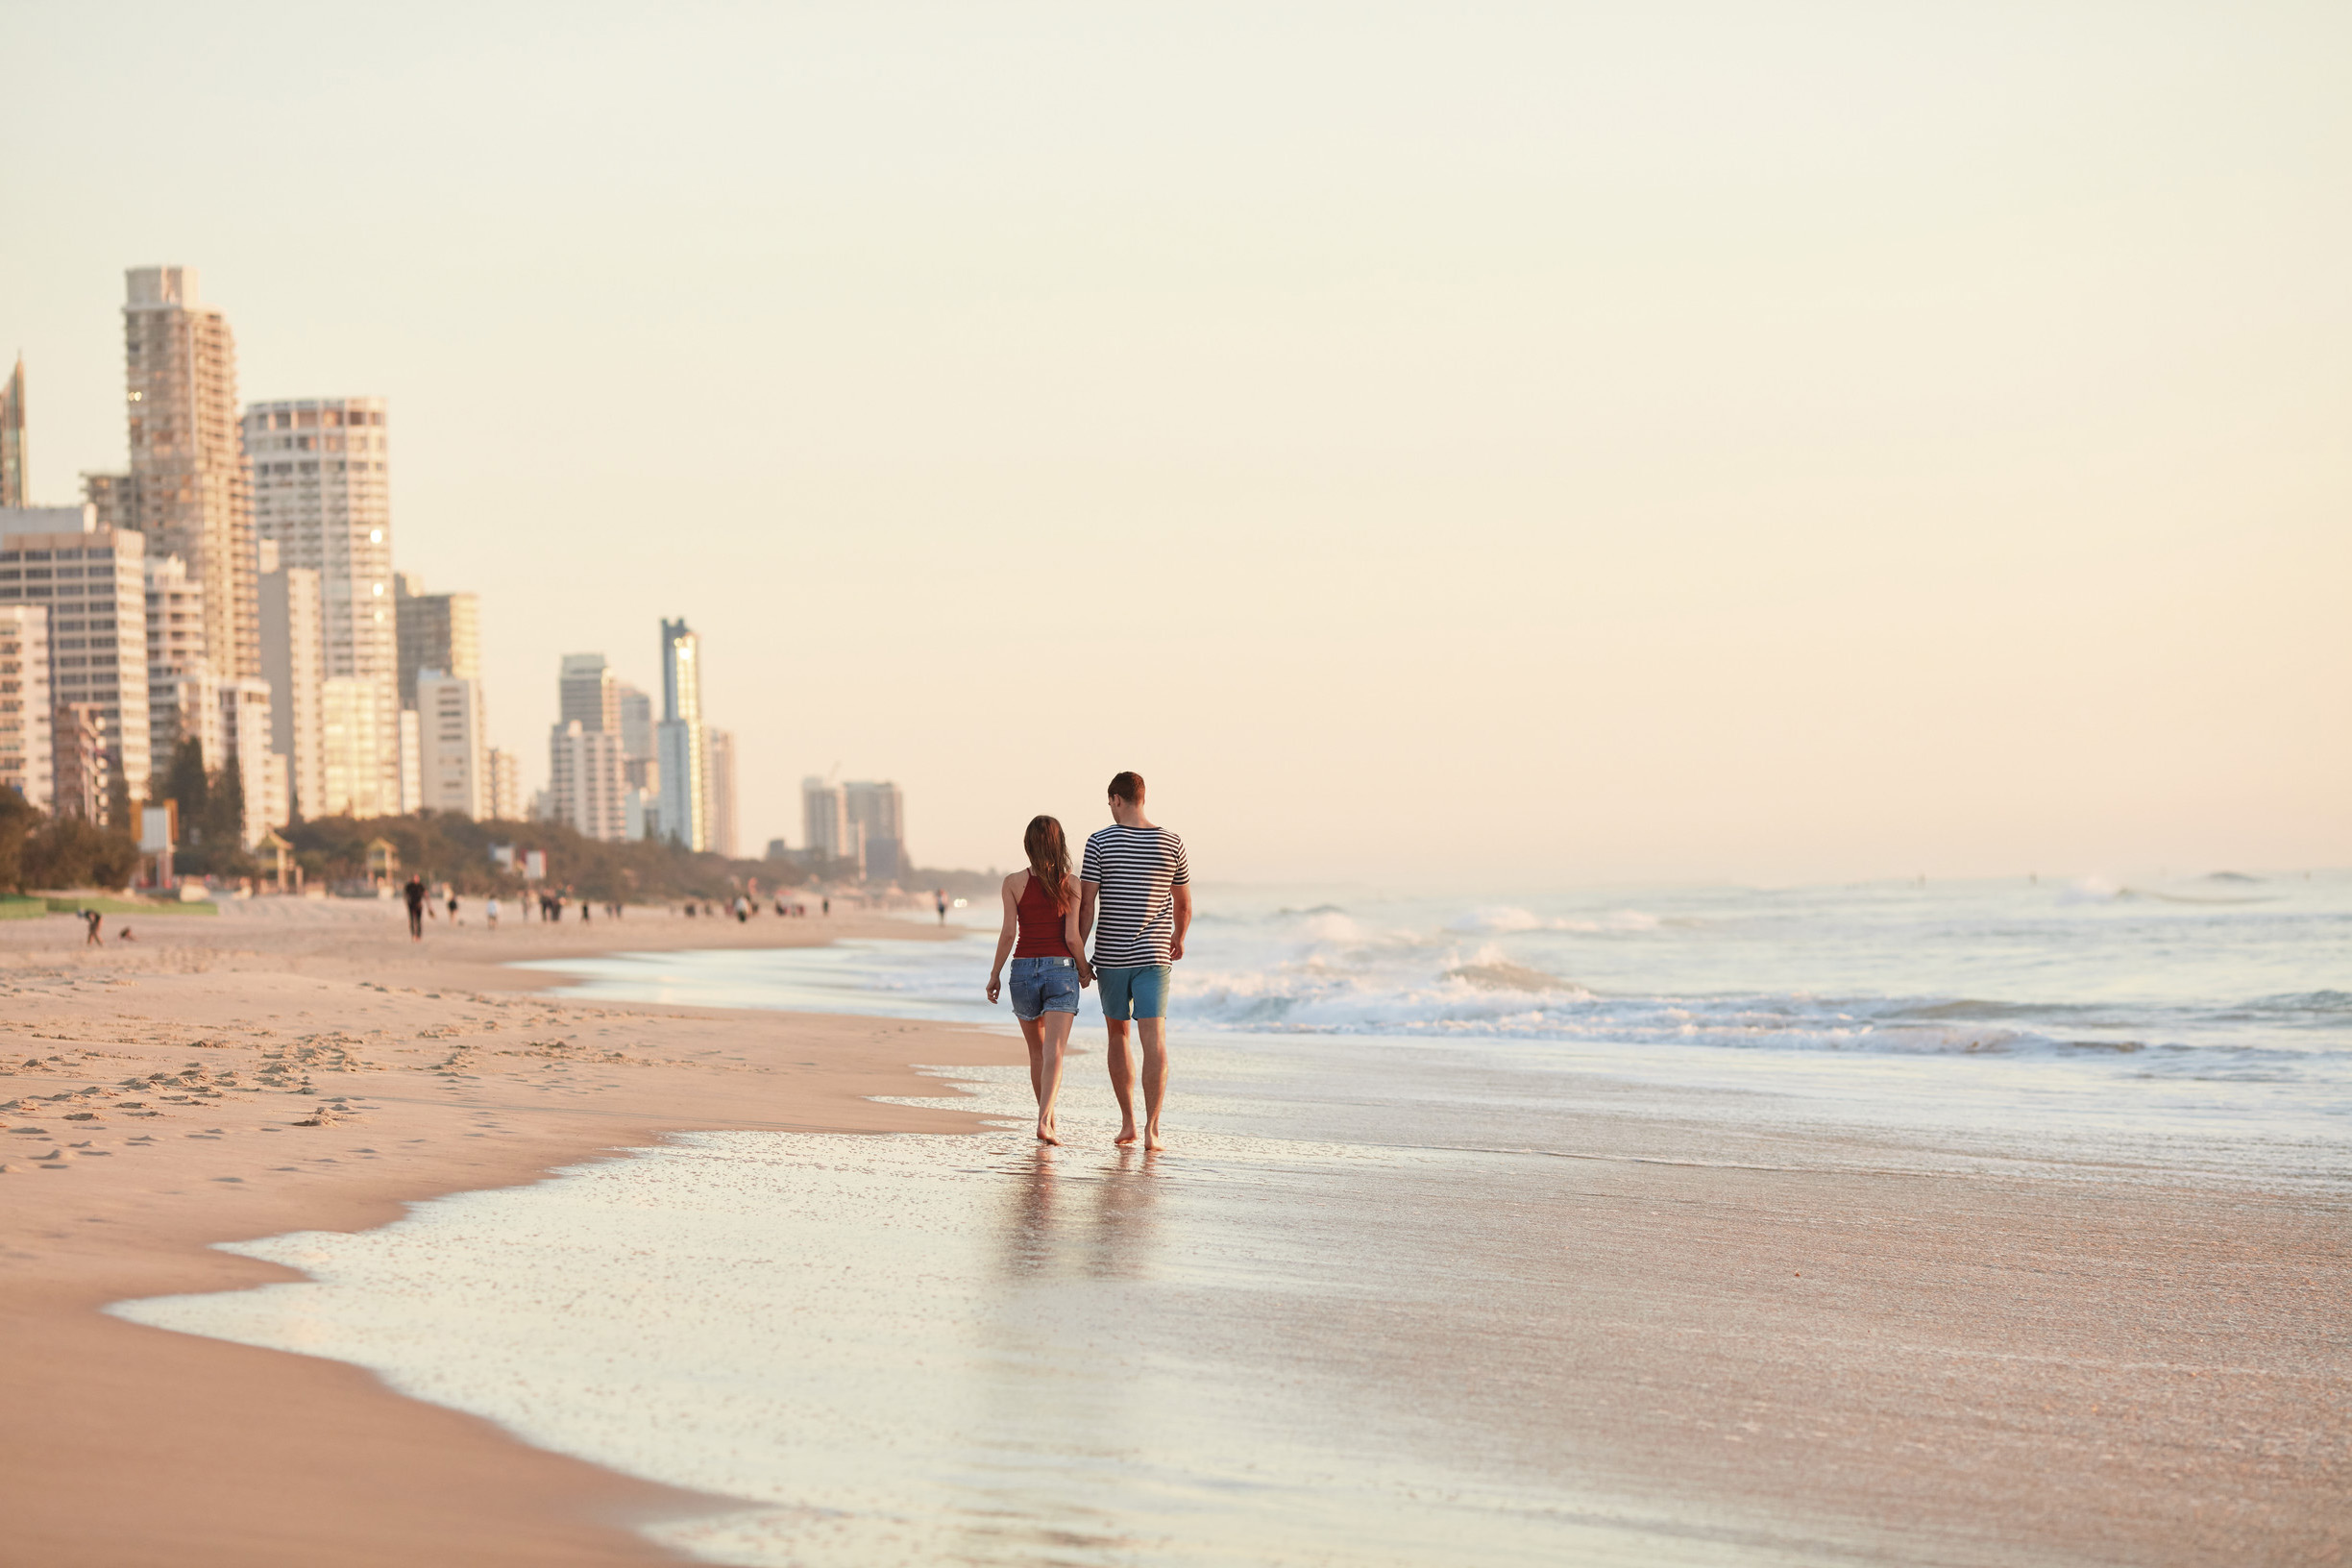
<point x="291" y="649"/>
<point x="188" y="488"/>
<point x="584" y="788"/>
<point x="822" y="820"/>
<point x="27" y="765"/>
<point x="637" y="738"/>
<point x="877" y="812"/>
<point x="437" y="631"/>
<point x="586" y="691"/>
<point x="94" y="581"/>
<point x="321" y="491"/>
<point x="456" y="759"/>
<point x="720" y="750"/>
<point x="12" y="438"/>
<point x="680" y="743"/>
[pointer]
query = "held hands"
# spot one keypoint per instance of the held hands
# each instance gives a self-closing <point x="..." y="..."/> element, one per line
<point x="1086" y="974"/>
<point x="993" y="985"/>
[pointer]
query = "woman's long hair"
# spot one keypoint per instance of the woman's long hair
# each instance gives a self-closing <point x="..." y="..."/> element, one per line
<point x="1048" y="856"/>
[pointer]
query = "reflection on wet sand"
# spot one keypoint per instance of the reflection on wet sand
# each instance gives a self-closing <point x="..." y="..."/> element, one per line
<point x="1046" y="1398"/>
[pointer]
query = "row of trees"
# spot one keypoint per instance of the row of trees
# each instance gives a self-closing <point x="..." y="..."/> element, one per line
<point x="65" y="851"/>
<point x="39" y="852"/>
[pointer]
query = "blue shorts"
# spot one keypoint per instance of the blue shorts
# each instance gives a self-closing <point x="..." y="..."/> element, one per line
<point x="1138" y="992"/>
<point x="1044" y="985"/>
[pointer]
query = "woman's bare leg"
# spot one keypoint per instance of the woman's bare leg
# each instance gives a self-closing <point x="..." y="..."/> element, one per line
<point x="1053" y="1030"/>
<point x="1029" y="1028"/>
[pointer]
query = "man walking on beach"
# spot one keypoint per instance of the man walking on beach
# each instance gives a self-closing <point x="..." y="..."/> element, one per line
<point x="1134" y="877"/>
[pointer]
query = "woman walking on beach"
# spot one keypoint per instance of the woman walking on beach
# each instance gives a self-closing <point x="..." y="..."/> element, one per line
<point x="1049" y="966"/>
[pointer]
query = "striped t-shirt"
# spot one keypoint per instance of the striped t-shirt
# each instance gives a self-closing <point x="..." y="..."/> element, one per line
<point x="1136" y="870"/>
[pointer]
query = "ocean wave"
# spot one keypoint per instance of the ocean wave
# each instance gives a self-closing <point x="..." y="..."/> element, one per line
<point x="1503" y="919"/>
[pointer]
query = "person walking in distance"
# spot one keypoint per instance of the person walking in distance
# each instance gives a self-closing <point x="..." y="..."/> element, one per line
<point x="1135" y="878"/>
<point x="414" y="892"/>
<point x="1049" y="966"/>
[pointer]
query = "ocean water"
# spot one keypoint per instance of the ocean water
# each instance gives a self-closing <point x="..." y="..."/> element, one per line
<point x="2194" y="1025"/>
<point x="1367" y="1310"/>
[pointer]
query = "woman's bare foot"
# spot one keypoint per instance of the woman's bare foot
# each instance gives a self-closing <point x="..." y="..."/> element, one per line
<point x="1045" y="1133"/>
<point x="1127" y="1134"/>
<point x="1152" y="1140"/>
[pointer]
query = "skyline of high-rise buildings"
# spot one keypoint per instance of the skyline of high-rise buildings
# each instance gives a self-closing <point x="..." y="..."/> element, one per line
<point x="231" y="589"/>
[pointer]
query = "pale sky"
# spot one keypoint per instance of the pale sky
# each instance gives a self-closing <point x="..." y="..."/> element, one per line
<point x="1461" y="443"/>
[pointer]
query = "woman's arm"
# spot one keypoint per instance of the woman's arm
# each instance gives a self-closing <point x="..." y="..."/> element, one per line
<point x="1070" y="931"/>
<point x="1004" y="937"/>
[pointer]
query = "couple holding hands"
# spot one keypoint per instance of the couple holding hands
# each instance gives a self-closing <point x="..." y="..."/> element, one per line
<point x="1134" y="892"/>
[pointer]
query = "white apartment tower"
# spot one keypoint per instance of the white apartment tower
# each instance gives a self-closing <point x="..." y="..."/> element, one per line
<point x="322" y="493"/>
<point x="291" y="650"/>
<point x="93" y="580"/>
<point x="585" y="781"/>
<point x="26" y="765"/>
<point x="453" y="760"/>
<point x="681" y="744"/>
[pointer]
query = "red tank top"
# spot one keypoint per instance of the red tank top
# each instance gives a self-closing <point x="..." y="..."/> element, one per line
<point x="1040" y="925"/>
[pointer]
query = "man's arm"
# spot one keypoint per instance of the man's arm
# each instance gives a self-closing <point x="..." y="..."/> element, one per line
<point x="1184" y="920"/>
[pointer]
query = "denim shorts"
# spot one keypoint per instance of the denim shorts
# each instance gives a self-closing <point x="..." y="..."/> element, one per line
<point x="1044" y="985"/>
<point x="1138" y="991"/>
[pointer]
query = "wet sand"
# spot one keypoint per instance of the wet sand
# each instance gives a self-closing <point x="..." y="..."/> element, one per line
<point x="1760" y="1344"/>
<point x="436" y="1071"/>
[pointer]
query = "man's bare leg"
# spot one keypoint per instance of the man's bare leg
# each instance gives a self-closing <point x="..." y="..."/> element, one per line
<point x="1155" y="1077"/>
<point x="1123" y="1078"/>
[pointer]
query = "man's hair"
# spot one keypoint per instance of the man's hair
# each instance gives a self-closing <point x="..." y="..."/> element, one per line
<point x="1128" y="787"/>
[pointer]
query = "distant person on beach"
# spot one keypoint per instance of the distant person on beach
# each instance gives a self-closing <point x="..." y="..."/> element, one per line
<point x="1135" y="878"/>
<point x="939" y="895"/>
<point x="415" y="894"/>
<point x="490" y="912"/>
<point x="1049" y="966"/>
<point x="93" y="920"/>
<point x="453" y="906"/>
<point x="828" y="905"/>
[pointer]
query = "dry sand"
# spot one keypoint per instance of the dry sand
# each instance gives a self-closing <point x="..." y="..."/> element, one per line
<point x="1938" y="1372"/>
<point x="319" y="1071"/>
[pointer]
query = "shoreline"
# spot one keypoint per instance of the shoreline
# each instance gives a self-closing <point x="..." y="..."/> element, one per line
<point x="440" y="1071"/>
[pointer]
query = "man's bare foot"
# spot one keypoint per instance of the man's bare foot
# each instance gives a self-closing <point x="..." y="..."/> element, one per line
<point x="1126" y="1134"/>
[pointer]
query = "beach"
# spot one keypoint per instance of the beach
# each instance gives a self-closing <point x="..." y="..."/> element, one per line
<point x="124" y="1445"/>
<point x="1389" y="1300"/>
